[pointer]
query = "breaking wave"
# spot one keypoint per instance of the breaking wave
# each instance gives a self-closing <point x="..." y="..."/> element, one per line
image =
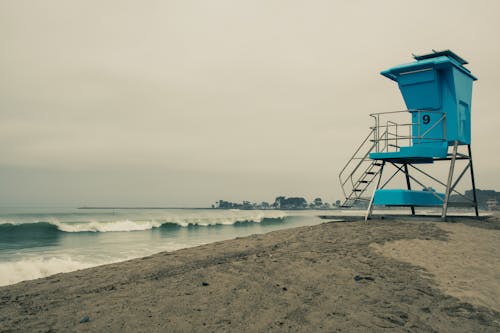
<point x="47" y="227"/>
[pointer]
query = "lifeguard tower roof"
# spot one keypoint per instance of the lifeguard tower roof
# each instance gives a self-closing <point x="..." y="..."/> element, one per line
<point x="436" y="59"/>
<point x="446" y="53"/>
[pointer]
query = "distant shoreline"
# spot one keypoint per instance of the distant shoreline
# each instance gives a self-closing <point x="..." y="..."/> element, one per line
<point x="96" y="207"/>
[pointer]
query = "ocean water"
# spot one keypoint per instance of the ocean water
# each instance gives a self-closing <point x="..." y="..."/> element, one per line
<point x="38" y="242"/>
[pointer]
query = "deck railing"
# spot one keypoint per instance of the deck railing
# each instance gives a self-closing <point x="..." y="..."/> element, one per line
<point x="390" y="135"/>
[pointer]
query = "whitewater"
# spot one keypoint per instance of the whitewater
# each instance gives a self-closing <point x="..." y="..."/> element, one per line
<point x="38" y="242"/>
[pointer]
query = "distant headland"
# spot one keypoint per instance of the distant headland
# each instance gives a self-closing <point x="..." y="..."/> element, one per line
<point x="281" y="202"/>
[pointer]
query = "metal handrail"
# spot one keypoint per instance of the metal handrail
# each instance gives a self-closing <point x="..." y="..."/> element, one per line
<point x="389" y="135"/>
<point x="354" y="157"/>
<point x="361" y="159"/>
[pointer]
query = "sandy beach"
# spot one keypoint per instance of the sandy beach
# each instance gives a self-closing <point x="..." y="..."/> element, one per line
<point x="384" y="275"/>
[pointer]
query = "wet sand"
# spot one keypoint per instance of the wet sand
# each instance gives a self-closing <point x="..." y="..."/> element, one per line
<point x="384" y="275"/>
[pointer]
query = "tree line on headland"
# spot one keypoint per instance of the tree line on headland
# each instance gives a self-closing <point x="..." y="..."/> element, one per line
<point x="487" y="199"/>
<point x="280" y="202"/>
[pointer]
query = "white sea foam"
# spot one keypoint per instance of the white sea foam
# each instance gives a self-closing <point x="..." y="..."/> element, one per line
<point x="34" y="268"/>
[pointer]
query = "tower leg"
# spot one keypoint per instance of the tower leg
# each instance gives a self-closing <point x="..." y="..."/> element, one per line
<point x="370" y="205"/>
<point x="450" y="180"/>
<point x="473" y="181"/>
<point x="407" y="176"/>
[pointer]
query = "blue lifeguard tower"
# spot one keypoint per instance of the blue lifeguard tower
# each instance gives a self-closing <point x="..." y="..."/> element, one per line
<point x="437" y="90"/>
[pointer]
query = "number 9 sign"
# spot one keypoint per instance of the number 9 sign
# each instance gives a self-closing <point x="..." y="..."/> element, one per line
<point x="426" y="119"/>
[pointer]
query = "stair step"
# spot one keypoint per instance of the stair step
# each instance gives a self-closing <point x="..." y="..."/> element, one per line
<point x="364" y="181"/>
<point x="370" y="173"/>
<point x="377" y="163"/>
<point x="357" y="190"/>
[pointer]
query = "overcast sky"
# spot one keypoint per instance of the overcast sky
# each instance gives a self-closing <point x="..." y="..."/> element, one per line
<point x="187" y="102"/>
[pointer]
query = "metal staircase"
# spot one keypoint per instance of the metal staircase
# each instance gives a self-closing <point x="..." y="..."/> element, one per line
<point x="360" y="172"/>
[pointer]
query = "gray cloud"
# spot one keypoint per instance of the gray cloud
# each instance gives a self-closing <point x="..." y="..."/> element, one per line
<point x="187" y="102"/>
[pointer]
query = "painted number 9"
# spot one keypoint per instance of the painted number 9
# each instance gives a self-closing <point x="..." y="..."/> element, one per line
<point x="426" y="119"/>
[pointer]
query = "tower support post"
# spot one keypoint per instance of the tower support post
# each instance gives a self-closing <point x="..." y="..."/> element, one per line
<point x="408" y="184"/>
<point x="450" y="180"/>
<point x="473" y="180"/>
<point x="370" y="204"/>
